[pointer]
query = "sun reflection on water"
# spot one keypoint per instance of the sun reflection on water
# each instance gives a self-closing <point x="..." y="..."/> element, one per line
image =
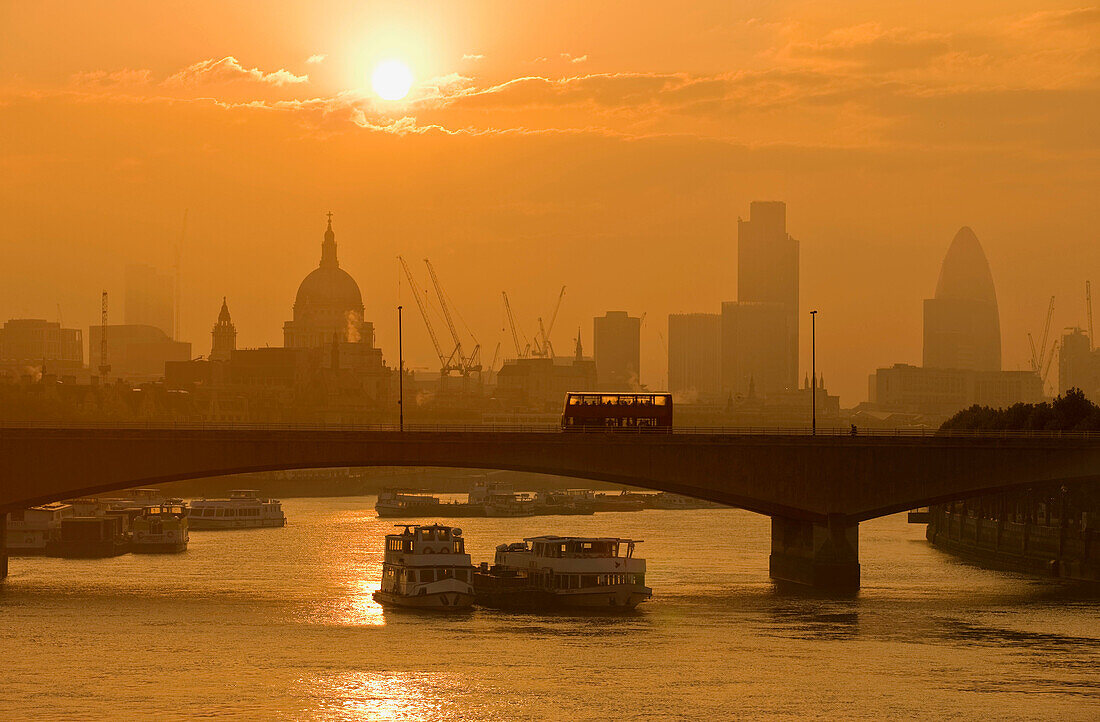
<point x="382" y="695"/>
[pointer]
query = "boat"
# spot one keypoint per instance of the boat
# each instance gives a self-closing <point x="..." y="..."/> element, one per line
<point x="567" y="502"/>
<point x="410" y="503"/>
<point x="160" y="529"/>
<point x="135" y="499"/>
<point x="623" y="501"/>
<point x="558" y="572"/>
<point x="90" y="537"/>
<point x="244" y="509"/>
<point x="29" y="530"/>
<point x="426" y="567"/>
<point x="498" y="499"/>
<point x="668" y="500"/>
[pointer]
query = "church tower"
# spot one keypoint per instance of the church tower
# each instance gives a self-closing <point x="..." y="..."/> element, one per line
<point x="224" y="335"/>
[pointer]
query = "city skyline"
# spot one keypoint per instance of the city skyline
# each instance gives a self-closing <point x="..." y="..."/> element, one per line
<point x="551" y="169"/>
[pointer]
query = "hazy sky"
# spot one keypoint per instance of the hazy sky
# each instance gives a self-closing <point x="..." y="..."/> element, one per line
<point x="609" y="147"/>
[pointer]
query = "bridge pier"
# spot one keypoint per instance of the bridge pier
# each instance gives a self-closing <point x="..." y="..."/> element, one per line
<point x="825" y="556"/>
<point x="3" y="546"/>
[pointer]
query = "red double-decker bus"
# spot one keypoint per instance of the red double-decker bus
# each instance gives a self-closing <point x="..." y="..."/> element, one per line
<point x="589" y="411"/>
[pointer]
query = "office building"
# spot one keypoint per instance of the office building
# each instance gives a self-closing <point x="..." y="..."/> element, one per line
<point x="962" y="328"/>
<point x="34" y="341"/>
<point x="150" y="299"/>
<point x="617" y="342"/>
<point x="693" y="356"/>
<point x="760" y="339"/>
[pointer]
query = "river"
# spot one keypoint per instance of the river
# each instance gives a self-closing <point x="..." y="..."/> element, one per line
<point x="280" y="624"/>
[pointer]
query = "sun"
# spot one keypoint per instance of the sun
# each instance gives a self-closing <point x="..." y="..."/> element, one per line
<point x="391" y="79"/>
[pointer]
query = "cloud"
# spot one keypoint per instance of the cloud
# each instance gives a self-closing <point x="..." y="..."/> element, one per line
<point x="115" y="79"/>
<point x="228" y="70"/>
<point x="873" y="46"/>
<point x="316" y="59"/>
<point x="574" y="58"/>
<point x="1074" y="19"/>
<point x="472" y="56"/>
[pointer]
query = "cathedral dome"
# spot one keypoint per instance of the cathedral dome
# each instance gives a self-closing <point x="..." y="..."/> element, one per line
<point x="328" y="303"/>
<point x="329" y="288"/>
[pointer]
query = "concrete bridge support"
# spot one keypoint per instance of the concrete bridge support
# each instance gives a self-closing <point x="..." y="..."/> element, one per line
<point x="3" y="546"/>
<point x="825" y="556"/>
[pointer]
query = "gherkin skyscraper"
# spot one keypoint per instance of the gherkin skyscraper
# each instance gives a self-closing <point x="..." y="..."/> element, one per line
<point x="962" y="327"/>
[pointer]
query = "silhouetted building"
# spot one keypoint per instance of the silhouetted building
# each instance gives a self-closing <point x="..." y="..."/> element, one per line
<point x="136" y="352"/>
<point x="224" y="335"/>
<point x="328" y="304"/>
<point x="913" y="389"/>
<point x="755" y="349"/>
<point x="540" y="384"/>
<point x="617" y="342"/>
<point x="1079" y="364"/>
<point x="767" y="283"/>
<point x="150" y="298"/>
<point x="32" y="341"/>
<point x="693" y="354"/>
<point x="962" y="328"/>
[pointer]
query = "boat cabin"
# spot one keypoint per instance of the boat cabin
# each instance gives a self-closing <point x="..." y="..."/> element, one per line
<point x="559" y="547"/>
<point x="426" y="539"/>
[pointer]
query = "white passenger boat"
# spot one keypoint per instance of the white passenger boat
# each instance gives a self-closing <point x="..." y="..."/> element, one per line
<point x="244" y="509"/>
<point x="160" y="529"/>
<point x="29" y="530"/>
<point x="556" y="572"/>
<point x="426" y="567"/>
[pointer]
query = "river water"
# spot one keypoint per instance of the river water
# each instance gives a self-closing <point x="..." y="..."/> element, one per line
<point x="279" y="624"/>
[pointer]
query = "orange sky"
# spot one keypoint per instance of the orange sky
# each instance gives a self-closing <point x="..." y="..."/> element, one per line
<point x="609" y="147"/>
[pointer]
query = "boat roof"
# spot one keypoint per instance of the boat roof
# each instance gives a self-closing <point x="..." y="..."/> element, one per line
<point x="553" y="538"/>
<point x="414" y="527"/>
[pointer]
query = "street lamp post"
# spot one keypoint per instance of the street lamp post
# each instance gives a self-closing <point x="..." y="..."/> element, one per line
<point x="813" y="373"/>
<point x="400" y="376"/>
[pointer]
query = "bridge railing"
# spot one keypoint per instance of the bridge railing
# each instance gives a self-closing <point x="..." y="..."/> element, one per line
<point x="825" y="432"/>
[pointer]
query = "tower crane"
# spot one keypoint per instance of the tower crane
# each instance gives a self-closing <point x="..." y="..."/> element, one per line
<point x="521" y="352"/>
<point x="467" y="364"/>
<point x="104" y="362"/>
<point x="446" y="365"/>
<point x="496" y="354"/>
<point x="546" y="348"/>
<point x="1088" y="308"/>
<point x="1037" y="360"/>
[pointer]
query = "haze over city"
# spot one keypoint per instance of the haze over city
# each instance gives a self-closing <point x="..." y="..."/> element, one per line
<point x="545" y="360"/>
<point x="535" y="149"/>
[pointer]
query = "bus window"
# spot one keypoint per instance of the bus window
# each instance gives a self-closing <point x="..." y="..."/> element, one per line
<point x="609" y="400"/>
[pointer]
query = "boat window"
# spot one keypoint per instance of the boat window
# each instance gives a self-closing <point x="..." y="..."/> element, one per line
<point x="588" y="580"/>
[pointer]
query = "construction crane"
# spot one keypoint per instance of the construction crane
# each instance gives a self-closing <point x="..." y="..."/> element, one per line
<point x="1050" y="359"/>
<point x="467" y="364"/>
<point x="496" y="354"/>
<point x="446" y="365"/>
<point x="104" y="365"/>
<point x="521" y="351"/>
<point x="177" y="284"/>
<point x="1038" y="354"/>
<point x="1088" y="309"/>
<point x="545" y="348"/>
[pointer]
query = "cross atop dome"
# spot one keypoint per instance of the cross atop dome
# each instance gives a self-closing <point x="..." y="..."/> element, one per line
<point x="328" y="246"/>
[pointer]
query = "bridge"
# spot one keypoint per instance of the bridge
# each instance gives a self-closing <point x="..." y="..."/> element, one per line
<point x="815" y="488"/>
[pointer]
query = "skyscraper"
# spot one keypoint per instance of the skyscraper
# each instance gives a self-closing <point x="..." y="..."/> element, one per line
<point x="150" y="298"/>
<point x="757" y="333"/>
<point x="760" y="329"/>
<point x="617" y="341"/>
<point x="962" y="327"/>
<point x="693" y="357"/>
